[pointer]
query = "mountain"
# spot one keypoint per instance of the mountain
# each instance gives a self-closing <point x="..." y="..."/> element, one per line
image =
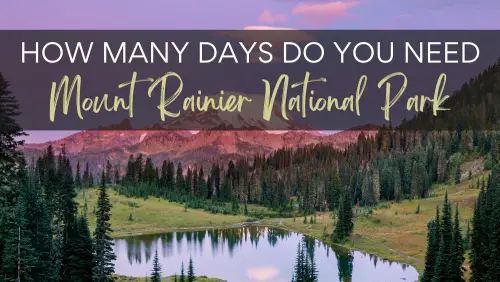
<point x="218" y="141"/>
<point x="205" y="147"/>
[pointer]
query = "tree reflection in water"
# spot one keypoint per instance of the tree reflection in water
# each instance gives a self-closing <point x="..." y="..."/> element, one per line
<point x="219" y="239"/>
<point x="225" y="243"/>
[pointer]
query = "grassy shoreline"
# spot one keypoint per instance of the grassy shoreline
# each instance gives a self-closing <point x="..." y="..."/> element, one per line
<point x="391" y="231"/>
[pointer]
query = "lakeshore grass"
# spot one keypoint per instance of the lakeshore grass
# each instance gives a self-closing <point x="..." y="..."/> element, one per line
<point x="134" y="216"/>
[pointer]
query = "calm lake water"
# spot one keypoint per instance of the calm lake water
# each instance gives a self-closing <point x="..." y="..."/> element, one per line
<point x="251" y="254"/>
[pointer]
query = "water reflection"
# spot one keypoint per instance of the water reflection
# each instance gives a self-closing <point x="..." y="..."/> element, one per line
<point x="252" y="254"/>
<point x="344" y="264"/>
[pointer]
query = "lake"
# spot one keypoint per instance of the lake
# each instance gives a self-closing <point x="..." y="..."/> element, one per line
<point x="251" y="254"/>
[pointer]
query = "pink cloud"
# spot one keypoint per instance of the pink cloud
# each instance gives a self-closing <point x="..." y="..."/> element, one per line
<point x="324" y="13"/>
<point x="268" y="17"/>
<point x="262" y="27"/>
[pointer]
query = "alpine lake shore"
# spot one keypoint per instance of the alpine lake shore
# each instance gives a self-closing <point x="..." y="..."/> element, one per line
<point x="390" y="230"/>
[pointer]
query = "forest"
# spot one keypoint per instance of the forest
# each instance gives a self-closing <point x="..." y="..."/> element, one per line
<point x="45" y="236"/>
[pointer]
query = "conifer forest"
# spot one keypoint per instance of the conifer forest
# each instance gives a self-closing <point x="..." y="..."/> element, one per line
<point x="45" y="235"/>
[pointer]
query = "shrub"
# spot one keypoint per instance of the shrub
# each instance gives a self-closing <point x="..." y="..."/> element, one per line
<point x="133" y="204"/>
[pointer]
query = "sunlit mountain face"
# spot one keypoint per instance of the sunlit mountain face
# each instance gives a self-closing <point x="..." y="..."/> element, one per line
<point x="218" y="142"/>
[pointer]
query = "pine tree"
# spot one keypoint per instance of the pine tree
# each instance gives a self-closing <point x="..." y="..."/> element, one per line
<point x="18" y="237"/>
<point x="66" y="215"/>
<point x="492" y="210"/>
<point x="10" y="157"/>
<point x="467" y="237"/>
<point x="103" y="251"/>
<point x="443" y="269"/>
<point x="86" y="254"/>
<point x="109" y="172"/>
<point x="156" y="273"/>
<point x="457" y="251"/>
<point x="458" y="174"/>
<point x="117" y="175"/>
<point x="179" y="179"/>
<point x="86" y="176"/>
<point x="432" y="248"/>
<point x="170" y="176"/>
<point x="397" y="186"/>
<point x="78" y="180"/>
<point x="375" y="186"/>
<point x="182" y="278"/>
<point x="191" y="277"/>
<point x="79" y="265"/>
<point x="38" y="221"/>
<point x="344" y="225"/>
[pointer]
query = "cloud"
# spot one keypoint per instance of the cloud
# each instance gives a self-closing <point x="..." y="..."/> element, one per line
<point x="262" y="273"/>
<point x="267" y="17"/>
<point x="262" y="27"/>
<point x="324" y="13"/>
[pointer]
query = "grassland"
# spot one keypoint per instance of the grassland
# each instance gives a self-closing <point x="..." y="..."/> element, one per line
<point x="391" y="230"/>
<point x="155" y="215"/>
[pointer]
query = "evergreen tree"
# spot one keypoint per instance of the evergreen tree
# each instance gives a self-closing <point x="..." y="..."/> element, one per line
<point x="10" y="158"/>
<point x="86" y="176"/>
<point x="86" y="254"/>
<point x="375" y="186"/>
<point x="80" y="264"/>
<point x="156" y="273"/>
<point x="432" y="249"/>
<point x="492" y="210"/>
<point x="458" y="174"/>
<point x="398" y="195"/>
<point x="109" y="172"/>
<point x="190" y="276"/>
<point x="467" y="237"/>
<point x="345" y="225"/>
<point x="444" y="267"/>
<point x="66" y="216"/>
<point x="182" y="278"/>
<point x="18" y="238"/>
<point x="179" y="179"/>
<point x="103" y="251"/>
<point x="78" y="180"/>
<point x="457" y="251"/>
<point x="117" y="175"/>
<point x="38" y="221"/>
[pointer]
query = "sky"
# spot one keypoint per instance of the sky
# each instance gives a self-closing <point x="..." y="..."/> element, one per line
<point x="245" y="14"/>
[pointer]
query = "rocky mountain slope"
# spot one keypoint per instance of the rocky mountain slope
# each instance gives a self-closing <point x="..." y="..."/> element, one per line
<point x="223" y="137"/>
